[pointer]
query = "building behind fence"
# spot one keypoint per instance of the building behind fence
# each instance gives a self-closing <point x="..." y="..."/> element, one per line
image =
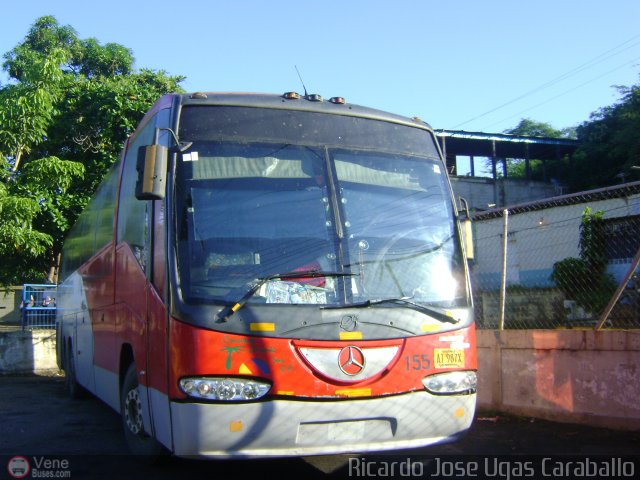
<point x="566" y="259"/>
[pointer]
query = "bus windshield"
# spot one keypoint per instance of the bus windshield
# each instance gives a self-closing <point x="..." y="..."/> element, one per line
<point x="378" y="221"/>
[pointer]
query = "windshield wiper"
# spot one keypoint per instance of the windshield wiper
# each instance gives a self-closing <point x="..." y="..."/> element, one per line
<point x="437" y="315"/>
<point x="225" y="313"/>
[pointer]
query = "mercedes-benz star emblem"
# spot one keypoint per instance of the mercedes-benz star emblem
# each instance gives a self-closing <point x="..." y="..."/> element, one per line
<point x="351" y="360"/>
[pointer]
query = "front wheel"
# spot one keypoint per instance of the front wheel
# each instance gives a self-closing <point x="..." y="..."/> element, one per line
<point x="138" y="440"/>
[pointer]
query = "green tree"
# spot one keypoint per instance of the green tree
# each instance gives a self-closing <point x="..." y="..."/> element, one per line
<point x="27" y="107"/>
<point x="528" y="127"/>
<point x="538" y="170"/>
<point x="609" y="151"/>
<point x="64" y="116"/>
<point x="26" y="110"/>
<point x="516" y="167"/>
<point x="610" y="144"/>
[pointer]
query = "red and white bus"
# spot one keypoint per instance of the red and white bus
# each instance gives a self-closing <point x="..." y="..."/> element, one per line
<point x="272" y="275"/>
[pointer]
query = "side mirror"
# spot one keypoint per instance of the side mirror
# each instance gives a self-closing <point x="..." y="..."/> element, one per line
<point x="152" y="172"/>
<point x="467" y="231"/>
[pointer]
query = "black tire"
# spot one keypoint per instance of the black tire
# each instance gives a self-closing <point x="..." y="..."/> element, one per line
<point x="74" y="389"/>
<point x="140" y="443"/>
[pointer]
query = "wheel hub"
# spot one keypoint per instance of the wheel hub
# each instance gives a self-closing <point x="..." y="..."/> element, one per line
<point x="133" y="411"/>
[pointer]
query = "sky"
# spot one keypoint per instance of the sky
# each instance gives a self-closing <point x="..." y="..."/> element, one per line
<point x="469" y="65"/>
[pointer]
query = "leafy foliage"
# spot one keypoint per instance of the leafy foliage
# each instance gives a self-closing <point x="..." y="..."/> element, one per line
<point x="528" y="127"/>
<point x="64" y="117"/>
<point x="586" y="279"/>
<point x="610" y="144"/>
<point x="609" y="150"/>
<point x="20" y="244"/>
<point x="28" y="107"/>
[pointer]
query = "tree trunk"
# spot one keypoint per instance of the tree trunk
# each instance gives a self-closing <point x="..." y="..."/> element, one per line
<point x="54" y="269"/>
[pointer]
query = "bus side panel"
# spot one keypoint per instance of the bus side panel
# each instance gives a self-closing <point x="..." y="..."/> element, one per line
<point x="157" y="380"/>
<point x="96" y="283"/>
<point x="131" y="294"/>
<point x="99" y="286"/>
<point x="105" y="362"/>
<point x="97" y="275"/>
<point x="94" y="331"/>
<point x="75" y="330"/>
<point x="142" y="328"/>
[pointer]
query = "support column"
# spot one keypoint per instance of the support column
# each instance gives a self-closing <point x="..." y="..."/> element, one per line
<point x="452" y="166"/>
<point x="494" y="172"/>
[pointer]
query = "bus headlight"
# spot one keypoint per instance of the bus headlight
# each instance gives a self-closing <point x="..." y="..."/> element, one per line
<point x="447" y="383"/>
<point x="225" y="389"/>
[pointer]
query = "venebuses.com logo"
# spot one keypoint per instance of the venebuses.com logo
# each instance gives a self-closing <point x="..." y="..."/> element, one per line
<point x="38" y="467"/>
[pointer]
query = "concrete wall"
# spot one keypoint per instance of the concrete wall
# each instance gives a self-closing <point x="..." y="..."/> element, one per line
<point x="531" y="308"/>
<point x="10" y="305"/>
<point x="481" y="192"/>
<point x="574" y="376"/>
<point x="29" y="351"/>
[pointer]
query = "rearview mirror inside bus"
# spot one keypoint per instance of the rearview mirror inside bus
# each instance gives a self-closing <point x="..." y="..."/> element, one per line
<point x="152" y="172"/>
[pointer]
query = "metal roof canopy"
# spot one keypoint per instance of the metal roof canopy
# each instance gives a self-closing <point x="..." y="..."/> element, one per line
<point x="502" y="146"/>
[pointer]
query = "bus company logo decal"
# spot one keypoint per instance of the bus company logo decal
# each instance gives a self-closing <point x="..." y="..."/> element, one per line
<point x="350" y="363"/>
<point x="18" y="467"/>
<point x="351" y="360"/>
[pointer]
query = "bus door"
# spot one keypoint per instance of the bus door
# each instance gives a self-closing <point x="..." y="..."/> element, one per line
<point x="156" y="367"/>
<point x="157" y="327"/>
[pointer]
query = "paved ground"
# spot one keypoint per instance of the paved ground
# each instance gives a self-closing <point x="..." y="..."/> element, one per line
<point x="39" y="422"/>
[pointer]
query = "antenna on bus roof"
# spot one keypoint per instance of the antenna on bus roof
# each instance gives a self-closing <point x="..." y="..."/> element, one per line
<point x="300" y="77"/>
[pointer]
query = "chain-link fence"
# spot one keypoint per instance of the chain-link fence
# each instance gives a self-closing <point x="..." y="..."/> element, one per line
<point x="564" y="262"/>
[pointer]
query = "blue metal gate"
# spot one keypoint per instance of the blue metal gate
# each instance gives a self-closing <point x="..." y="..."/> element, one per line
<point x="38" y="306"/>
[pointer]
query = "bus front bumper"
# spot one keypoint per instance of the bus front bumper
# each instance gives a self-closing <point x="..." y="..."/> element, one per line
<point x="281" y="428"/>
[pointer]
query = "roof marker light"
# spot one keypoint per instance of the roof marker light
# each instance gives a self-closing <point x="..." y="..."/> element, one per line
<point x="338" y="100"/>
<point x="314" y="97"/>
<point x="291" y="95"/>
